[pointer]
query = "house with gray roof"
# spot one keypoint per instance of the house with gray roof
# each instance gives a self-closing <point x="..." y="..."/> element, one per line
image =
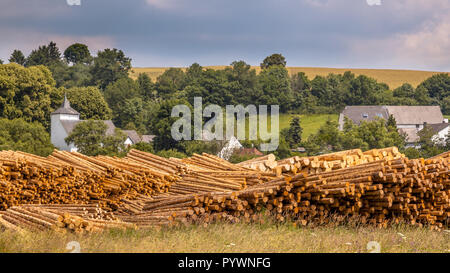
<point x="64" y="120"/>
<point x="410" y="119"/>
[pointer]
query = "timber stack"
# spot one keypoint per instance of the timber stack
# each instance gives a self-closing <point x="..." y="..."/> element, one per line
<point x="66" y="191"/>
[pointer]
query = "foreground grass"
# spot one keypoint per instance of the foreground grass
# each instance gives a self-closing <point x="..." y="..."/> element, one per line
<point x="394" y="78"/>
<point x="235" y="238"/>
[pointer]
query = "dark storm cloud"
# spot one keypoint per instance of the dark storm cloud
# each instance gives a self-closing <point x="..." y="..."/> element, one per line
<point x="344" y="33"/>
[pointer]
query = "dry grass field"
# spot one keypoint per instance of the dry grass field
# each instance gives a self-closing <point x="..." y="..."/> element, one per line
<point x="394" y="78"/>
<point x="236" y="238"/>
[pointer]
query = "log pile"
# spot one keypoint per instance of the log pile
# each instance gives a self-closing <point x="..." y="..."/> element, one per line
<point x="67" y="191"/>
<point x="72" y="178"/>
<point x="384" y="190"/>
<point x="61" y="218"/>
<point x="209" y="173"/>
<point x="321" y="163"/>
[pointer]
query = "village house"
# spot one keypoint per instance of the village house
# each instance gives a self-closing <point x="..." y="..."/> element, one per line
<point x="410" y="119"/>
<point x="64" y="120"/>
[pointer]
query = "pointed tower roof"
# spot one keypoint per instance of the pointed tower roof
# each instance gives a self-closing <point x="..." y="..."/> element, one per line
<point x="65" y="108"/>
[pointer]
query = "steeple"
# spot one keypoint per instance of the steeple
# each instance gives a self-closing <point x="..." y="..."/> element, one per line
<point x="65" y="108"/>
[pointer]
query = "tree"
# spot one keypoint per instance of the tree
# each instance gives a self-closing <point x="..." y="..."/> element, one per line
<point x="274" y="59"/>
<point x="404" y="91"/>
<point x="91" y="139"/>
<point x="163" y="125"/>
<point x="118" y="95"/>
<point x="276" y="88"/>
<point x="428" y="147"/>
<point x="29" y="137"/>
<point x="242" y="83"/>
<point x="391" y="122"/>
<point x="143" y="146"/>
<point x="26" y="93"/>
<point x="78" y="53"/>
<point x="88" y="101"/>
<point x="170" y="82"/>
<point x="44" y="55"/>
<point x="445" y="105"/>
<point x="109" y="66"/>
<point x="17" y="57"/>
<point x="146" y="87"/>
<point x="294" y="136"/>
<point x="438" y="86"/>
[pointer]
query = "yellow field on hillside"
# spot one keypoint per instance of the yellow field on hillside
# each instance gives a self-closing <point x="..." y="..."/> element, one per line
<point x="394" y="78"/>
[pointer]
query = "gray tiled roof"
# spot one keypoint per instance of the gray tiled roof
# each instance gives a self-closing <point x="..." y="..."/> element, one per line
<point x="365" y="113"/>
<point x="69" y="125"/>
<point x="65" y="108"/>
<point x="437" y="127"/>
<point x="133" y="135"/>
<point x="148" y="138"/>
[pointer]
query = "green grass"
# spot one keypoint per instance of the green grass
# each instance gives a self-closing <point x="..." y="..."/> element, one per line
<point x="309" y="123"/>
<point x="235" y="238"/>
<point x="447" y="116"/>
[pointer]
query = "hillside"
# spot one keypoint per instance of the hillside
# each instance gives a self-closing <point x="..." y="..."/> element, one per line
<point x="394" y="78"/>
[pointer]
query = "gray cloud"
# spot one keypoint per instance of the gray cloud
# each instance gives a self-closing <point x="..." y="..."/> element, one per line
<point x="409" y="34"/>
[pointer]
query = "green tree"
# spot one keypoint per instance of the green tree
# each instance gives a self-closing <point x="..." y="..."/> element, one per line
<point x="77" y="54"/>
<point x="147" y="89"/>
<point x="121" y="95"/>
<point x="274" y="59"/>
<point x="143" y="146"/>
<point x="445" y="105"/>
<point x="17" y="57"/>
<point x="91" y="139"/>
<point x="88" y="101"/>
<point x="438" y="86"/>
<point x="163" y="124"/>
<point x="29" y="137"/>
<point x="26" y="93"/>
<point x="276" y="88"/>
<point x="170" y="82"/>
<point x="428" y="147"/>
<point x="391" y="122"/>
<point x="242" y="83"/>
<point x="294" y="136"/>
<point x="109" y="66"/>
<point x="404" y="91"/>
<point x="45" y="55"/>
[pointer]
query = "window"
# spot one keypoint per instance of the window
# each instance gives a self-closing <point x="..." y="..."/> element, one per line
<point x="365" y="115"/>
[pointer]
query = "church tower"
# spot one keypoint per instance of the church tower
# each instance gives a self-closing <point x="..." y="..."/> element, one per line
<point x="63" y="118"/>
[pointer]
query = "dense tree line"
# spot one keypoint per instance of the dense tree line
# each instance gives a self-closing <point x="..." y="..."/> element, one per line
<point x="99" y="87"/>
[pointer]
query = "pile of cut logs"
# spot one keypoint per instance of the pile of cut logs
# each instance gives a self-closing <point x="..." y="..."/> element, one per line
<point x="61" y="218"/>
<point x="67" y="191"/>
<point x="73" y="178"/>
<point x="388" y="188"/>
<point x="321" y="163"/>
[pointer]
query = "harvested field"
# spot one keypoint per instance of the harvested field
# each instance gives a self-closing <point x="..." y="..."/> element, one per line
<point x="379" y="187"/>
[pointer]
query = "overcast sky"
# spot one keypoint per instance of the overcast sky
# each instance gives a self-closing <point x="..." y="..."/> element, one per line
<point x="398" y="34"/>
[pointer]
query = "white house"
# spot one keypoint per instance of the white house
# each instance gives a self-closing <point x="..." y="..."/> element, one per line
<point x="64" y="120"/>
<point x="441" y="131"/>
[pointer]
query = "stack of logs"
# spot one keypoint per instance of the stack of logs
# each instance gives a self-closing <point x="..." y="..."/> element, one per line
<point x="321" y="163"/>
<point x="392" y="189"/>
<point x="61" y="218"/>
<point x="73" y="178"/>
<point x="379" y="187"/>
